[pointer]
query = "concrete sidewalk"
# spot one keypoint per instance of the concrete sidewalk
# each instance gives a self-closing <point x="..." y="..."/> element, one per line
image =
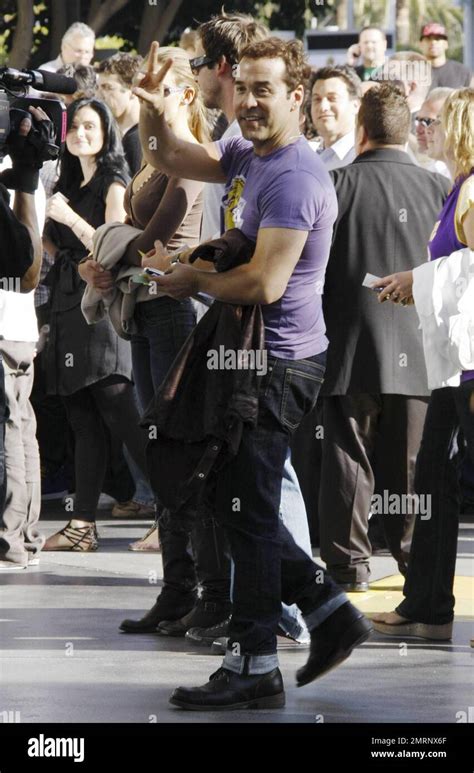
<point x="63" y="658"/>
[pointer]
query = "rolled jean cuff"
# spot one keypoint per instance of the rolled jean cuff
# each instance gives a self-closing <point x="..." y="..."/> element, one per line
<point x="257" y="664"/>
<point x="320" y="614"/>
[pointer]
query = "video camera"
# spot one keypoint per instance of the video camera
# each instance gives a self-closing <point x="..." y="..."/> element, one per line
<point x="14" y="105"/>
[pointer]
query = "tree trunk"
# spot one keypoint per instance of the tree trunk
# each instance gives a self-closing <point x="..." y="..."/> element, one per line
<point x="403" y="23"/>
<point x="59" y="18"/>
<point x="23" y="37"/>
<point x="150" y="18"/>
<point x="100" y="13"/>
<point x="168" y="18"/>
<point x="156" y="22"/>
<point x="341" y="14"/>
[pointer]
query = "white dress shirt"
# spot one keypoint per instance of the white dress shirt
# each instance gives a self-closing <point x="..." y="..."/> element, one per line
<point x="341" y="153"/>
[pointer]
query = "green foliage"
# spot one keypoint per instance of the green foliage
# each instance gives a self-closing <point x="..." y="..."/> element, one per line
<point x="370" y="12"/>
<point x="114" y="42"/>
<point x="287" y="16"/>
<point x="4" y="46"/>
<point x="8" y="23"/>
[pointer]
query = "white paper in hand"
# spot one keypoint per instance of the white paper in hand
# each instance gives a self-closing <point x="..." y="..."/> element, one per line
<point x="369" y="281"/>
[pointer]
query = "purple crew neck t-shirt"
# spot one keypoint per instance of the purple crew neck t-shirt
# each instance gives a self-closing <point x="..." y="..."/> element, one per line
<point x="444" y="239"/>
<point x="289" y="188"/>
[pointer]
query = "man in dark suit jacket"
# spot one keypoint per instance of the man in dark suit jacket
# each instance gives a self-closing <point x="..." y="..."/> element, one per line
<point x="375" y="389"/>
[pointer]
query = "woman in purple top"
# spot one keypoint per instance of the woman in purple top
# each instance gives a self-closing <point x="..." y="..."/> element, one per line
<point x="427" y="610"/>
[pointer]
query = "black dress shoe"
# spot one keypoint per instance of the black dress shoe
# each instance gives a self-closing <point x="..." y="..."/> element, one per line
<point x="226" y="690"/>
<point x="333" y="641"/>
<point x="204" y="615"/>
<point x="206" y="636"/>
<point x="166" y="608"/>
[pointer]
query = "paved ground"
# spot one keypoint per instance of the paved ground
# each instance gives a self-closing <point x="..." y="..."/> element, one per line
<point x="64" y="660"/>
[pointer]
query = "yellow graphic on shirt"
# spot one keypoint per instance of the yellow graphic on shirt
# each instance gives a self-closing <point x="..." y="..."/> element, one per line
<point x="234" y="204"/>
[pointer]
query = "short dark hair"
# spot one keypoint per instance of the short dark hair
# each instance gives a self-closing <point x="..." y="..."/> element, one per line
<point x="342" y="71"/>
<point x="84" y="75"/>
<point x="385" y="115"/>
<point x="229" y="33"/>
<point x="124" y="65"/>
<point x="373" y="27"/>
<point x="292" y="52"/>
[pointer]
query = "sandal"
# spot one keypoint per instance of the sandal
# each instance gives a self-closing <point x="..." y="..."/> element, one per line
<point x="74" y="538"/>
<point x="150" y="543"/>
<point x="393" y="624"/>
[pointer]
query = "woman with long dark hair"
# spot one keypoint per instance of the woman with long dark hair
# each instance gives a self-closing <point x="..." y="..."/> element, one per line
<point x="88" y="365"/>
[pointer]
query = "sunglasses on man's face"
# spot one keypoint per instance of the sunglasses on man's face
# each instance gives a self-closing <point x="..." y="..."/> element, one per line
<point x="198" y="62"/>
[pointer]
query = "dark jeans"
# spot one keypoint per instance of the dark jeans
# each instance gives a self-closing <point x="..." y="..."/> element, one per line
<point x="163" y="326"/>
<point x="448" y="433"/>
<point x="194" y="550"/>
<point x="269" y="566"/>
<point x="88" y="410"/>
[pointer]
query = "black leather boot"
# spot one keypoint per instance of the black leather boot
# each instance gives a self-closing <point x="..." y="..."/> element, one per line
<point x="333" y="641"/>
<point x="204" y="615"/>
<point x="206" y="636"/>
<point x="227" y="690"/>
<point x="168" y="606"/>
<point x="178" y="596"/>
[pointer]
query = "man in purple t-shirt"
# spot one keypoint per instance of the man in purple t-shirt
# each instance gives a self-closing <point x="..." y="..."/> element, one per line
<point x="279" y="194"/>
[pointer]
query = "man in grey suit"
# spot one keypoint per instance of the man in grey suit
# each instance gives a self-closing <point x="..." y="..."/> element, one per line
<point x="375" y="391"/>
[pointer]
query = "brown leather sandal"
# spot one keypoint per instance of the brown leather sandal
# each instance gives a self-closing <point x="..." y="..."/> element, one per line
<point x="75" y="538"/>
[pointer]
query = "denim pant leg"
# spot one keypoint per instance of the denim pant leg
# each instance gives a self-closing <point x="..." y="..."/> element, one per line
<point x="262" y="548"/>
<point x="163" y="325"/>
<point x="143" y="494"/>
<point x="293" y="515"/>
<point x="448" y="427"/>
<point x="168" y="324"/>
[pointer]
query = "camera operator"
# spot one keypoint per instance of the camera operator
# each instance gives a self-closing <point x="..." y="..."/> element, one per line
<point x="20" y="264"/>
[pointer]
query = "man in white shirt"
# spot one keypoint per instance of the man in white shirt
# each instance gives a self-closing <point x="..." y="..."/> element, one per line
<point x="335" y="100"/>
<point x="77" y="47"/>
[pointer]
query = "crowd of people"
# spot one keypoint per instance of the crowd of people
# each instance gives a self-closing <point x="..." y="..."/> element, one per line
<point x="219" y="196"/>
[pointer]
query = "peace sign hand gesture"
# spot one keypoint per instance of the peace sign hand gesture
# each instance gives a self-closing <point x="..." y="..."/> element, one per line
<point x="150" y="89"/>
